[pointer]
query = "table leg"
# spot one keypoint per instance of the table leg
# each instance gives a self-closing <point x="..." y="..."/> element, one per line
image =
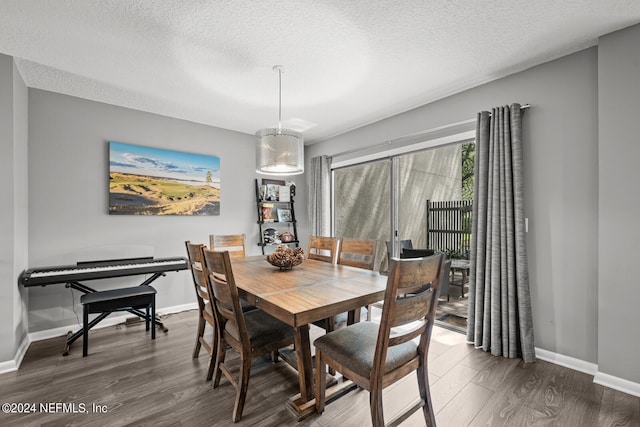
<point x="305" y="364"/>
<point x="303" y="404"/>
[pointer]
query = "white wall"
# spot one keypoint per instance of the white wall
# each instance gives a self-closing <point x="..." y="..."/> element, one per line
<point x="68" y="196"/>
<point x="561" y="182"/>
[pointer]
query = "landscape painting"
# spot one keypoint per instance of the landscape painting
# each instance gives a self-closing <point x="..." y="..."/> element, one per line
<point x="153" y="181"/>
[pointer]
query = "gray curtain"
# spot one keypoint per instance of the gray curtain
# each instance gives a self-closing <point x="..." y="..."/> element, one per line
<point x="320" y="196"/>
<point x="500" y="319"/>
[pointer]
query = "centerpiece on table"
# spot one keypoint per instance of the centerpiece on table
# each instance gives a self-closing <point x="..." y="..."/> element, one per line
<point x="285" y="257"/>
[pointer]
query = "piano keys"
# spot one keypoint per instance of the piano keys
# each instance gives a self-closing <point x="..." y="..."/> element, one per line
<point x="92" y="270"/>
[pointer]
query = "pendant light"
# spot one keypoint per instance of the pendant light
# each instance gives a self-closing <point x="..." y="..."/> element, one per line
<point x="279" y="151"/>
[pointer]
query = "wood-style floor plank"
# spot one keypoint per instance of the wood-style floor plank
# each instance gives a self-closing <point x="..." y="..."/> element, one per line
<point x="142" y="382"/>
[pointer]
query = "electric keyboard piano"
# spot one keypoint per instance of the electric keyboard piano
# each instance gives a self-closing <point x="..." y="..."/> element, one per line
<point x="71" y="275"/>
<point x="92" y="270"/>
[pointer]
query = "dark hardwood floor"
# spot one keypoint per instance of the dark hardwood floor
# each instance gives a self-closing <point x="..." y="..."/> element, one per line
<point x="130" y="380"/>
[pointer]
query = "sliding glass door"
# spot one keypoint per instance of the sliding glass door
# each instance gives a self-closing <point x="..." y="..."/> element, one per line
<point x="433" y="174"/>
<point x="362" y="203"/>
<point x="386" y="199"/>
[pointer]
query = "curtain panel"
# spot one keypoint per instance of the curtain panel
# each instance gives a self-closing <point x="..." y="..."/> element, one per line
<point x="500" y="318"/>
<point x="320" y="196"/>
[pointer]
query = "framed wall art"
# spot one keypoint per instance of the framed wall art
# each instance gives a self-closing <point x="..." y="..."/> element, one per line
<point x="154" y="181"/>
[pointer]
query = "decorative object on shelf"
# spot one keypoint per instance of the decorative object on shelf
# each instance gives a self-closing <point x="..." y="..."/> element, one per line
<point x="267" y="213"/>
<point x="285" y="258"/>
<point x="287" y="237"/>
<point x="284" y="215"/>
<point x="270" y="236"/>
<point x="284" y="194"/>
<point x="279" y="151"/>
<point x="272" y="193"/>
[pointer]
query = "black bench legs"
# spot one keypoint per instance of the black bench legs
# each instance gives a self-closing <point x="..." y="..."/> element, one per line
<point x="106" y="302"/>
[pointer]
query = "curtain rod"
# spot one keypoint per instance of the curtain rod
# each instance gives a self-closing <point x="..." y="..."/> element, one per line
<point x="522" y="107"/>
<point x="391" y="141"/>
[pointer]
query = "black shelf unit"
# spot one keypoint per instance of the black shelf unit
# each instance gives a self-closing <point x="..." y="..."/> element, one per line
<point x="276" y="214"/>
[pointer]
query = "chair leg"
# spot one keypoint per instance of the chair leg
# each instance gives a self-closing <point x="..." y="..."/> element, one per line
<point x="199" y="334"/>
<point x="321" y="380"/>
<point x="153" y="317"/>
<point x="375" y="403"/>
<point x="220" y="355"/>
<point x="425" y="395"/>
<point x="212" y="355"/>
<point x="146" y="318"/>
<point x="85" y="331"/>
<point x="243" y="386"/>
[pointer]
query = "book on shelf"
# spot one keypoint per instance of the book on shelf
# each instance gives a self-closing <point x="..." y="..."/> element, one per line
<point x="267" y="213"/>
<point x="284" y="194"/>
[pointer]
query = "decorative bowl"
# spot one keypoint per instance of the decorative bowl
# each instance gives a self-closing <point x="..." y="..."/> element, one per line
<point x="285" y="258"/>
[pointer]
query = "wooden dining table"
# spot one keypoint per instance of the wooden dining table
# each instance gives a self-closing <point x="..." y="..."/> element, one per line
<point x="311" y="291"/>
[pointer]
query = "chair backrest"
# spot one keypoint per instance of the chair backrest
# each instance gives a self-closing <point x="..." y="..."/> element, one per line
<point x="419" y="253"/>
<point x="234" y="243"/>
<point x="359" y="253"/>
<point x="408" y="303"/>
<point x="404" y="244"/>
<point x="322" y="248"/>
<point x="229" y="316"/>
<point x="416" y="253"/>
<point x="196" y="265"/>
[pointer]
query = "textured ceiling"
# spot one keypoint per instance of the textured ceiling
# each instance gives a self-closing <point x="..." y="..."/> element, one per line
<point x="346" y="64"/>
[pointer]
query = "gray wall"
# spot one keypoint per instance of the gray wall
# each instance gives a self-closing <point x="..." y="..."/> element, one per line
<point x="561" y="173"/>
<point x="619" y="293"/>
<point x="13" y="208"/>
<point x="68" y="196"/>
<point x="581" y="150"/>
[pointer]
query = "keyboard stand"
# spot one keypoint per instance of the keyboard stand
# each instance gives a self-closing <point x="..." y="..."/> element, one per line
<point x="72" y="336"/>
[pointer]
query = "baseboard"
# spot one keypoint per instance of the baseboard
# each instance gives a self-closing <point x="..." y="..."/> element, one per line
<point x="616" y="383"/>
<point x="13" y="365"/>
<point x="566" y="361"/>
<point x="606" y="380"/>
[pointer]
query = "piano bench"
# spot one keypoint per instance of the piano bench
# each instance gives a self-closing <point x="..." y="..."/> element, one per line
<point x="106" y="302"/>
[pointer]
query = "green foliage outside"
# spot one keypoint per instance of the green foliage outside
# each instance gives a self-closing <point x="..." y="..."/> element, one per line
<point x="468" y="160"/>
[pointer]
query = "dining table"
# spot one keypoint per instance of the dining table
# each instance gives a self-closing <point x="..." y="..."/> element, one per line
<point x="311" y="291"/>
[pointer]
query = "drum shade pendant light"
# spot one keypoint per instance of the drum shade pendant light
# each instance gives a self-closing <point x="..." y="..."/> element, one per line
<point x="279" y="151"/>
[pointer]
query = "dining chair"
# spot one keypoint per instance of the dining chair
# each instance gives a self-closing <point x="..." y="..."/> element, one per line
<point x="402" y="244"/>
<point x="374" y="356"/>
<point x="250" y="334"/>
<point x="322" y="248"/>
<point x="205" y="308"/>
<point x="234" y="243"/>
<point x="359" y="253"/>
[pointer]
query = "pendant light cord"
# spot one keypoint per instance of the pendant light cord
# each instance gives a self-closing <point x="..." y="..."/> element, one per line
<point x="279" y="68"/>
